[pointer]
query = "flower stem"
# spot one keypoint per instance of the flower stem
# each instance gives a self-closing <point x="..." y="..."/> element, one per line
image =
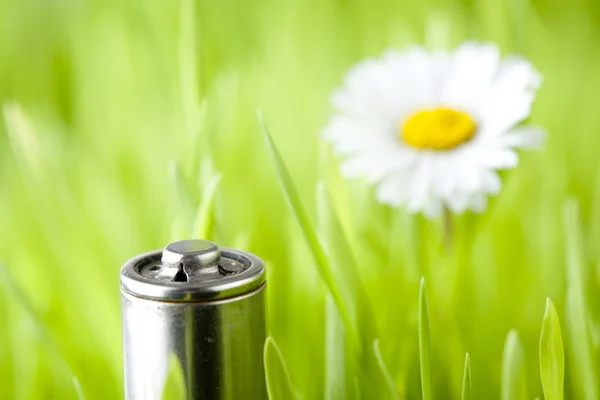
<point x="448" y="228"/>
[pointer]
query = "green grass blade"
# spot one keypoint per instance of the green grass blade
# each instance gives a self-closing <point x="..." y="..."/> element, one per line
<point x="24" y="140"/>
<point x="425" y="345"/>
<point x="466" y="386"/>
<point x="584" y="376"/>
<point x="384" y="371"/>
<point x="205" y="218"/>
<point x="279" y="384"/>
<point x="344" y="267"/>
<point x="78" y="389"/>
<point x="174" y="388"/>
<point x="336" y="268"/>
<point x="585" y="382"/>
<point x="293" y="200"/>
<point x="335" y="352"/>
<point x="354" y="295"/>
<point x="552" y="358"/>
<point x="514" y="379"/>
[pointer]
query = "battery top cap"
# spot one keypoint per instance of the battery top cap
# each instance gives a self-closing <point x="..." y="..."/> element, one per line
<point x="192" y="270"/>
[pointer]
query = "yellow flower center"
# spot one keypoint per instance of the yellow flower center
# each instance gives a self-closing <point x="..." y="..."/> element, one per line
<point x="437" y="129"/>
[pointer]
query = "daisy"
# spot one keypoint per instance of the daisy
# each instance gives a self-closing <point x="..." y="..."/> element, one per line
<point x="432" y="129"/>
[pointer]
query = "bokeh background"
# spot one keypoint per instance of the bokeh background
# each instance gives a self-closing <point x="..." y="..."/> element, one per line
<point x="119" y="117"/>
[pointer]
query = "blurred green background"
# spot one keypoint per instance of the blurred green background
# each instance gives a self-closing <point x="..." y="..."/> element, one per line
<point x="119" y="114"/>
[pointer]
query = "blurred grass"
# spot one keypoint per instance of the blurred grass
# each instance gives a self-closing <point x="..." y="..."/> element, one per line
<point x="277" y="376"/>
<point x="101" y="97"/>
<point x="552" y="357"/>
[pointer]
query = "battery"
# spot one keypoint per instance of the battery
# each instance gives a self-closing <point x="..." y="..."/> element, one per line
<point x="202" y="307"/>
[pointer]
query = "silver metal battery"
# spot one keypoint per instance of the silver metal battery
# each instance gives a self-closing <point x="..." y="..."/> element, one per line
<point x="203" y="307"/>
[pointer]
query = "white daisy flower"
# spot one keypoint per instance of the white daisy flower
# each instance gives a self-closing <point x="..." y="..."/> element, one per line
<point x="431" y="129"/>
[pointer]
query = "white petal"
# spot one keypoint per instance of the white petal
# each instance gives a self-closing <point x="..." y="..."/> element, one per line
<point x="376" y="166"/>
<point x="478" y="203"/>
<point x="418" y="77"/>
<point x="433" y="208"/>
<point x="470" y="179"/>
<point x="499" y="159"/>
<point x="390" y="191"/>
<point x="350" y="135"/>
<point x="510" y="96"/>
<point x="472" y="70"/>
<point x="368" y="93"/>
<point x="419" y="184"/>
<point x="457" y="202"/>
<point x="491" y="182"/>
<point x="446" y="172"/>
<point x="526" y="137"/>
<point x="456" y="171"/>
<point x="464" y="169"/>
<point x="389" y="88"/>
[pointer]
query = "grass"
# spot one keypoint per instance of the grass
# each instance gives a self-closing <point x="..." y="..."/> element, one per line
<point x="425" y="345"/>
<point x="466" y="389"/>
<point x="278" y="381"/>
<point x="552" y="357"/>
<point x="130" y="124"/>
<point x="514" y="379"/>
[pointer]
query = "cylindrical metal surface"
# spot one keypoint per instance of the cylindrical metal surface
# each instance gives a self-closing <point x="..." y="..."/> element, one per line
<point x="201" y="307"/>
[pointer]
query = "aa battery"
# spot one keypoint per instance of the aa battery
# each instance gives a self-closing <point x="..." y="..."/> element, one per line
<point x="198" y="309"/>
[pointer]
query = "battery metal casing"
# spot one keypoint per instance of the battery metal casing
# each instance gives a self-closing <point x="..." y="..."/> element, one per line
<point x="201" y="307"/>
